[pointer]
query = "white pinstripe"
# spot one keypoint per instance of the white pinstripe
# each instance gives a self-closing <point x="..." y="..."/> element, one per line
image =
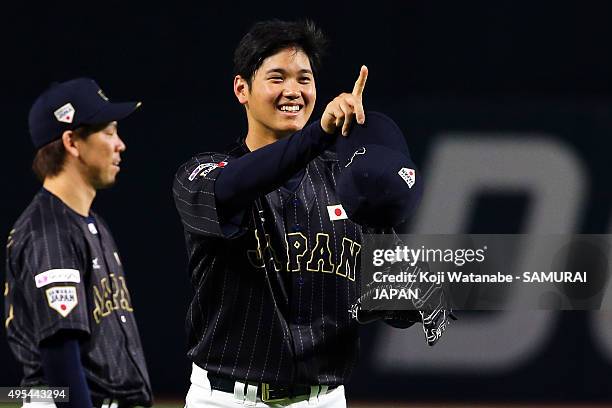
<point x="229" y="330"/>
<point x="336" y="168"/>
<point x="43" y="224"/>
<point x="322" y="229"/>
<point x="193" y="204"/>
<point x="216" y="321"/>
<point x="267" y="350"/>
<point x="246" y="319"/>
<point x="57" y="234"/>
<point x="336" y="260"/>
<point x="256" y="336"/>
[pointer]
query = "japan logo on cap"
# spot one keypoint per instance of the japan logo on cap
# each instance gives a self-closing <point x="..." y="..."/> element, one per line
<point x="65" y="113"/>
<point x="409" y="176"/>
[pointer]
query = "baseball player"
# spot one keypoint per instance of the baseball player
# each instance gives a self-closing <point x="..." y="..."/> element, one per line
<point x="69" y="317"/>
<point x="273" y="257"/>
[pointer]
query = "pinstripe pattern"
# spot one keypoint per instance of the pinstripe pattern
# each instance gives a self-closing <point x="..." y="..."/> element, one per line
<point x="294" y="327"/>
<point x="49" y="235"/>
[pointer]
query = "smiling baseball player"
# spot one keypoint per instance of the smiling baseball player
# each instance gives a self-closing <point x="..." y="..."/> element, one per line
<point x="273" y="257"/>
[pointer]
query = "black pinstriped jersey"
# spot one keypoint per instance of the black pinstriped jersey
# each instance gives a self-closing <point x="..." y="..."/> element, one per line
<point x="270" y="299"/>
<point x="63" y="271"/>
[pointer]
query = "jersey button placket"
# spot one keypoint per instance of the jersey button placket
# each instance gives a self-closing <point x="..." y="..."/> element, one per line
<point x="300" y="280"/>
<point x="296" y="227"/>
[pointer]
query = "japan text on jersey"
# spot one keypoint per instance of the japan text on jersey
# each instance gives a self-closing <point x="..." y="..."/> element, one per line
<point x="271" y="298"/>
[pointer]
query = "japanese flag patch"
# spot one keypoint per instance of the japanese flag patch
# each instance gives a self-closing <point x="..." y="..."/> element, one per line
<point x="205" y="168"/>
<point x="65" y="113"/>
<point x="409" y="176"/>
<point x="336" y="212"/>
<point x="62" y="299"/>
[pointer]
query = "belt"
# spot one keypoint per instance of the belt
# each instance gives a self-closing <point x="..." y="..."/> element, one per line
<point x="267" y="392"/>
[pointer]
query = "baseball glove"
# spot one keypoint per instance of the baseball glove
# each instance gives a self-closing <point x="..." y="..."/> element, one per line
<point x="432" y="309"/>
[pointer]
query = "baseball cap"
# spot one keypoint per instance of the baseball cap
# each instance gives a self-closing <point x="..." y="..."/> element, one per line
<point x="379" y="184"/>
<point x="69" y="105"/>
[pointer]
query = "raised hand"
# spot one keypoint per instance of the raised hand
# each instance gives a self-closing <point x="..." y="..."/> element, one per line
<point x="340" y="111"/>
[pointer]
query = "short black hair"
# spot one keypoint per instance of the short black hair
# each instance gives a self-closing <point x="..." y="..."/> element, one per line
<point x="49" y="159"/>
<point x="266" y="38"/>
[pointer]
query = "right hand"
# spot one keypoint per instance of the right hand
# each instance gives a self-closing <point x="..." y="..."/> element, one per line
<point x="339" y="112"/>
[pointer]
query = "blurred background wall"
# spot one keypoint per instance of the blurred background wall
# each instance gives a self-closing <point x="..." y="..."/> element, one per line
<point x="482" y="90"/>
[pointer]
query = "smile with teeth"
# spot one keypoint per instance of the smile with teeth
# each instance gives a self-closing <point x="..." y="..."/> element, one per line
<point x="290" y="108"/>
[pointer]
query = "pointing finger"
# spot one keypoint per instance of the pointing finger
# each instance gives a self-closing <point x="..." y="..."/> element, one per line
<point x="348" y="116"/>
<point x="361" y="81"/>
<point x="359" y="113"/>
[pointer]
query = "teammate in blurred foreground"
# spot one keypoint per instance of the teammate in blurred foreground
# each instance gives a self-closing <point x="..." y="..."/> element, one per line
<point x="69" y="317"/>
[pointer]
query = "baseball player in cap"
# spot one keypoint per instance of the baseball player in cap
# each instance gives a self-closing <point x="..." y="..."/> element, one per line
<point x="69" y="317"/>
<point x="273" y="256"/>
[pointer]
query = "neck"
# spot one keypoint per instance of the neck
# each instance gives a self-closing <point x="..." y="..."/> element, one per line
<point x="259" y="136"/>
<point x="255" y="142"/>
<point x="73" y="190"/>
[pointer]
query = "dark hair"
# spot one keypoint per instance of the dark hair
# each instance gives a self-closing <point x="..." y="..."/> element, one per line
<point x="49" y="159"/>
<point x="266" y="38"/>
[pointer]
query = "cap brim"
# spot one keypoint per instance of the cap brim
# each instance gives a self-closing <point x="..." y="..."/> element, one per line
<point x="112" y="112"/>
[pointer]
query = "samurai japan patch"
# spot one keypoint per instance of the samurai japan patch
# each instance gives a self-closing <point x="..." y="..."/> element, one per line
<point x="63" y="299"/>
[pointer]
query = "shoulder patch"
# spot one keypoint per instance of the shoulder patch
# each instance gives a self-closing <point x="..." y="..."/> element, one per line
<point x="205" y="168"/>
<point x="57" y="275"/>
<point x="62" y="299"/>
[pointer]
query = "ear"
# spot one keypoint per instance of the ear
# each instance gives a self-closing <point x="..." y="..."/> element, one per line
<point x="70" y="144"/>
<point x="241" y="89"/>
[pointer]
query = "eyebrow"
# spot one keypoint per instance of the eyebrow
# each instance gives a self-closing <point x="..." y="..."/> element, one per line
<point x="284" y="71"/>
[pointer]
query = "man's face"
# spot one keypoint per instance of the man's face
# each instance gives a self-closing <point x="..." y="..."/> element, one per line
<point x="100" y="155"/>
<point x="282" y="93"/>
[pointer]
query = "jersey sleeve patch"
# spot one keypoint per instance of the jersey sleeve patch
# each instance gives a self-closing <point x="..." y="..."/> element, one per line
<point x="204" y="169"/>
<point x="194" y="193"/>
<point x="62" y="299"/>
<point x="57" y="275"/>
